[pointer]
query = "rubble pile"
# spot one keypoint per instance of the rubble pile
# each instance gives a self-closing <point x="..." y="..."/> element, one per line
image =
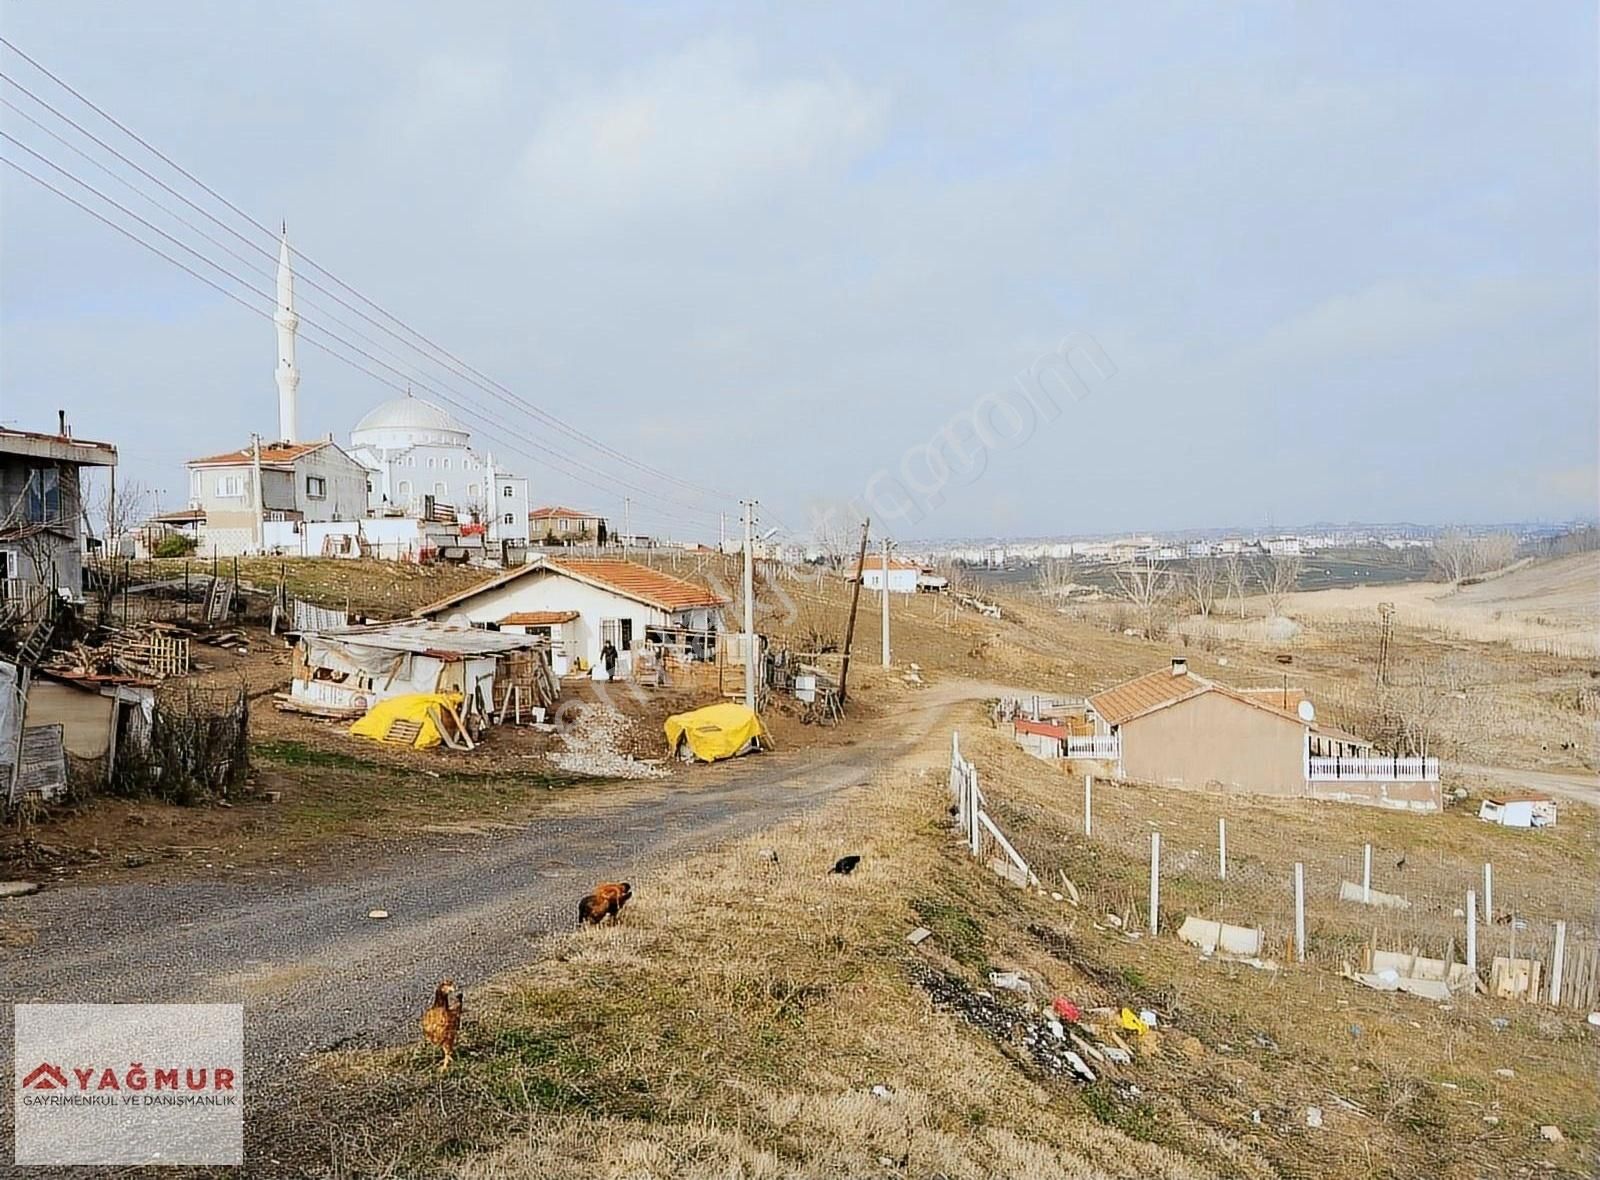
<point x="592" y="737"/>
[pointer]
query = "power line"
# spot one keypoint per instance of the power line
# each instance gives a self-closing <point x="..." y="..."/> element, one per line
<point x="552" y="457"/>
<point x="463" y="369"/>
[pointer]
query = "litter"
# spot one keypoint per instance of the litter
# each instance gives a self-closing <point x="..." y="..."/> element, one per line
<point x="1432" y="979"/>
<point x="1503" y="1072"/>
<point x="1078" y="1065"/>
<point x="377" y="914"/>
<point x="1551" y="1133"/>
<point x="1011" y="981"/>
<point x="882" y="1093"/>
<point x="1313" y="1116"/>
<point x="1132" y="1023"/>
<point x="919" y="936"/>
<point x="1148" y="1017"/>
<point x="1350" y="891"/>
<point x="1214" y="936"/>
<point x="18" y="888"/>
<point x="1066" y="1009"/>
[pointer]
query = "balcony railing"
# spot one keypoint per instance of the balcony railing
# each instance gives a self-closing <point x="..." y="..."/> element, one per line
<point x="1373" y="769"/>
<point x="1103" y="746"/>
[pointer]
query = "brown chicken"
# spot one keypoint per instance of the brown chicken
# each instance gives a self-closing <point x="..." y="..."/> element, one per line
<point x="605" y="902"/>
<point x="441" y="1023"/>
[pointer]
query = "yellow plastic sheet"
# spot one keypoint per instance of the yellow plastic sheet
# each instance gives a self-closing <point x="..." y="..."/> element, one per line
<point x="411" y="707"/>
<point x="1132" y="1023"/>
<point x="717" y="731"/>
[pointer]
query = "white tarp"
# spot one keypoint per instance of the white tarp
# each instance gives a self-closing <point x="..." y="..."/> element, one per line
<point x="1350" y="891"/>
<point x="1214" y="936"/>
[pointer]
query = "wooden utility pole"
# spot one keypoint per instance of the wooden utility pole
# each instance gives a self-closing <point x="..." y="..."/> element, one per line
<point x="887" y="661"/>
<point x="749" y="612"/>
<point x="855" y="598"/>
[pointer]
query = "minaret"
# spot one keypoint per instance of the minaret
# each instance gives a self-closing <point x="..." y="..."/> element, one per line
<point x="288" y="323"/>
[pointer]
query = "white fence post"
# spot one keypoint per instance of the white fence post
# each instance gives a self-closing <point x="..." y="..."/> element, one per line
<point x="1088" y="805"/>
<point x="1222" y="849"/>
<point x="1488" y="893"/>
<point x="1299" y="912"/>
<point x="976" y="831"/>
<point x="1472" y="931"/>
<point x="1155" y="883"/>
<point x="1366" y="875"/>
<point x="1558" y="960"/>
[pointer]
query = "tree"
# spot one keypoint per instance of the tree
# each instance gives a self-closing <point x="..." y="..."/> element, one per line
<point x="835" y="535"/>
<point x="119" y="513"/>
<point x="1236" y="575"/>
<point x="1145" y="586"/>
<point x="1278" y="577"/>
<point x="1452" y="553"/>
<point x="1492" y="552"/>
<point x="1204" y="581"/>
<point x="1054" y="578"/>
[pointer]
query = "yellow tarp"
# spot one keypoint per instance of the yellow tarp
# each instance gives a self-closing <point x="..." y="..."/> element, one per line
<point x="412" y="707"/>
<point x="717" y="731"/>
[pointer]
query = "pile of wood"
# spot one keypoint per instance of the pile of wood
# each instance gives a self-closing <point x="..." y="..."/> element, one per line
<point x="151" y="650"/>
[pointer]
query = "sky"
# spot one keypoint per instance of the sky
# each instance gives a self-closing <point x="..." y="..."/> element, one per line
<point x="977" y="270"/>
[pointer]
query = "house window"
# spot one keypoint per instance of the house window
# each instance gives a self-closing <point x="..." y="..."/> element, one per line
<point x="317" y="487"/>
<point x="44" y="494"/>
<point x="405" y="488"/>
<point x="447" y="463"/>
<point x="431" y="460"/>
<point x="369" y="487"/>
<point x="506" y="491"/>
<point x="508" y="519"/>
<point x="439" y="488"/>
<point x="472" y="490"/>
<point x="230" y="487"/>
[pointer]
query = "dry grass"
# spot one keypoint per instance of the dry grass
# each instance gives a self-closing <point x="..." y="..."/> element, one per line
<point x="736" y="1021"/>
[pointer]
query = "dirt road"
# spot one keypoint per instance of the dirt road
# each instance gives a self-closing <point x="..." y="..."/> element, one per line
<point x="315" y="973"/>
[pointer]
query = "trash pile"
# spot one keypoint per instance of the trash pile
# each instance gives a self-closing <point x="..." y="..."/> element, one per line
<point x="1058" y="1038"/>
<point x="592" y="736"/>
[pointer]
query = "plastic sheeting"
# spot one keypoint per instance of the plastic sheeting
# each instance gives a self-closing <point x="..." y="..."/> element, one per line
<point x="412" y="707"/>
<point x="717" y="731"/>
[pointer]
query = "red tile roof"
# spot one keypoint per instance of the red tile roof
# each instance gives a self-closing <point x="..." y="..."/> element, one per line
<point x="538" y="618"/>
<point x="643" y="583"/>
<point x="895" y="563"/>
<point x="270" y="453"/>
<point x="565" y="513"/>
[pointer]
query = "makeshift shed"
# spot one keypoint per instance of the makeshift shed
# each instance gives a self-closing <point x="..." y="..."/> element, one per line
<point x="717" y="731"/>
<point x="1519" y="811"/>
<point x="1040" y="738"/>
<point x="343" y="672"/>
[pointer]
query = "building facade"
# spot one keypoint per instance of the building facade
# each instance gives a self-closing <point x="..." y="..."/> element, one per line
<point x="42" y="513"/>
<point x="279" y="483"/>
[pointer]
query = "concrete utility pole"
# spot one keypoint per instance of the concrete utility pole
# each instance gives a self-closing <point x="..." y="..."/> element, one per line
<point x="255" y="478"/>
<point x="627" y="503"/>
<point x="886" y="660"/>
<point x="749" y="609"/>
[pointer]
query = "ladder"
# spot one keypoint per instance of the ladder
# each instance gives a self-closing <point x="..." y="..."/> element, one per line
<point x="219" y="600"/>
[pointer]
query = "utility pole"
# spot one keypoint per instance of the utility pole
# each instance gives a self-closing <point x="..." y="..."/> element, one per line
<point x="855" y="597"/>
<point x="722" y="532"/>
<point x="886" y="661"/>
<point x="749" y="610"/>
<point x="261" y="527"/>
<point x="626" y="504"/>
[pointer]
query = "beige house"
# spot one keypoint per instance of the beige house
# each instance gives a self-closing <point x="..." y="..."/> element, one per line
<point x="242" y="491"/>
<point x="1176" y="728"/>
<point x="565" y="525"/>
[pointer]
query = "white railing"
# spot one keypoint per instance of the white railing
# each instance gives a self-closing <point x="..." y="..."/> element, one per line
<point x="973" y="822"/>
<point x="1373" y="769"/>
<point x="1105" y="746"/>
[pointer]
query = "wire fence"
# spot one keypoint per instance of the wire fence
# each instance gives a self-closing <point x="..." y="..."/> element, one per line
<point x="1217" y="864"/>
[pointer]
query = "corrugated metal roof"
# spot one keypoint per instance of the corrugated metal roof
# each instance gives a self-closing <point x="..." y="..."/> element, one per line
<point x="425" y="638"/>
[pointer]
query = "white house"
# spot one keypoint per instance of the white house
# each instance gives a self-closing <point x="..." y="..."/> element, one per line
<point x="581" y="604"/>
<point x="902" y="575"/>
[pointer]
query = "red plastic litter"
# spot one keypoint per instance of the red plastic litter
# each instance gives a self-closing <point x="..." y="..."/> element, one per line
<point x="1065" y="1008"/>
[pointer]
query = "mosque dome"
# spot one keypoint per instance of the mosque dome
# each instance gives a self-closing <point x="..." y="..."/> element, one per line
<point x="407" y="422"/>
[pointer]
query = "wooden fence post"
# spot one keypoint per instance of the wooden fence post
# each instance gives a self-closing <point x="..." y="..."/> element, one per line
<point x="1299" y="912"/>
<point x="1472" y="931"/>
<point x="1558" y="961"/>
<point x="1222" y="849"/>
<point x="1155" y="883"/>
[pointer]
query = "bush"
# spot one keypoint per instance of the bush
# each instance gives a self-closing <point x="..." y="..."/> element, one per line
<point x="174" y="545"/>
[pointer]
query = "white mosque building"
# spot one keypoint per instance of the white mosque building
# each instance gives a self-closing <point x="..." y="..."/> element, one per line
<point x="417" y="454"/>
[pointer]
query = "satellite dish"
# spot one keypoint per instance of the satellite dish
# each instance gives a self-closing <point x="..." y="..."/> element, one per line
<point x="1308" y="714"/>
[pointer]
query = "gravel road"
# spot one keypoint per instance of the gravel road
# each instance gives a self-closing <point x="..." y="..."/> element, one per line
<point x="315" y="973"/>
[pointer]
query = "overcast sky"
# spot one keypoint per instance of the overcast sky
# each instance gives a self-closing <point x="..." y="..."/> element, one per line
<point x="1339" y="261"/>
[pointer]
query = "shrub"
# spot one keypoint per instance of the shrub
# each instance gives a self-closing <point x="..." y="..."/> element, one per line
<point x="174" y="545"/>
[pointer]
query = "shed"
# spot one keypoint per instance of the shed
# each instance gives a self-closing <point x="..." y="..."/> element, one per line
<point x="1519" y="811"/>
<point x="345" y="670"/>
<point x="903" y="575"/>
<point x="1042" y="739"/>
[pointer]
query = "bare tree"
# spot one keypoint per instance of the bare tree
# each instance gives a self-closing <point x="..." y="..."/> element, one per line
<point x="1204" y="582"/>
<point x="1054" y="578"/>
<point x="1145" y="586"/>
<point x="1236" y="575"/>
<point x="836" y="535"/>
<point x="1492" y="552"/>
<point x="1277" y="578"/>
<point x="118" y="514"/>
<point x="1452" y="554"/>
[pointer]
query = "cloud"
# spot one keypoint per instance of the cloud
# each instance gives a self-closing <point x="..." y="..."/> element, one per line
<point x="700" y="127"/>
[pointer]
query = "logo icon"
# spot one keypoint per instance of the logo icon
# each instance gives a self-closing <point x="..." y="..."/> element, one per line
<point x="45" y="1077"/>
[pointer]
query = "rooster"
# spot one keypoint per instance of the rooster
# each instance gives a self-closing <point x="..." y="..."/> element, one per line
<point x="441" y="1023"/>
<point x="605" y="902"/>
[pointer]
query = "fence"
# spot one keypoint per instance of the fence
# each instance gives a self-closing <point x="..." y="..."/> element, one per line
<point x="1107" y="747"/>
<point x="1314" y="899"/>
<point x="1384" y="770"/>
<point x="977" y="828"/>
